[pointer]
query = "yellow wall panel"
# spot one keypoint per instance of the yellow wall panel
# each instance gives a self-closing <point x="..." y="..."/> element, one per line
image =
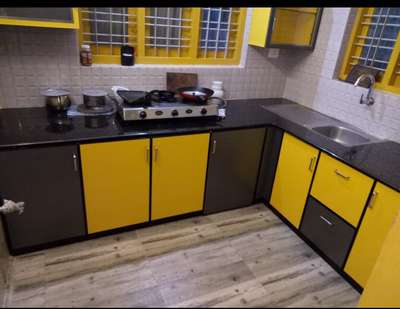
<point x="376" y="223"/>
<point x="382" y="288"/>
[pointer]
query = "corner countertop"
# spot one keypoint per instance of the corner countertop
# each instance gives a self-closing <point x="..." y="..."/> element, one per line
<point x="31" y="127"/>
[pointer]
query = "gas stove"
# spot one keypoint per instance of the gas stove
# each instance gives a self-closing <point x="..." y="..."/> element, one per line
<point x="168" y="107"/>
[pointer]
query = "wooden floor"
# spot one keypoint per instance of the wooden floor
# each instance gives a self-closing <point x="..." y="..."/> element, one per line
<point x="240" y="258"/>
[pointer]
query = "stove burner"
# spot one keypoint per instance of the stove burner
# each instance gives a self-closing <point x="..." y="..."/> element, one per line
<point x="162" y="96"/>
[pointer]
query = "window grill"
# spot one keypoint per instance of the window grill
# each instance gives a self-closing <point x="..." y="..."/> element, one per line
<point x="106" y="29"/>
<point x="167" y="32"/>
<point x="378" y="42"/>
<point x="164" y="35"/>
<point x="218" y="31"/>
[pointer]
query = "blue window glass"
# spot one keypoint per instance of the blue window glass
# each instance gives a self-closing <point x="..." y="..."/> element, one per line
<point x="215" y="28"/>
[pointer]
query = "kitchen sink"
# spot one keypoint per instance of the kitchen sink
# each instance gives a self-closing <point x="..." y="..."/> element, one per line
<point x="346" y="136"/>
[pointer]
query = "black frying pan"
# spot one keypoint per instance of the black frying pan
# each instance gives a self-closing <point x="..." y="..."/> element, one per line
<point x="134" y="97"/>
<point x="195" y="94"/>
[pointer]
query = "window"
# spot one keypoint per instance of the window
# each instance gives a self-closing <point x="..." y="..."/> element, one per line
<point x="165" y="35"/>
<point x="375" y="42"/>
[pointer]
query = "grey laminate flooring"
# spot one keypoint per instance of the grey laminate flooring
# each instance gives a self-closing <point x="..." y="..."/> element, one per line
<point x="240" y="258"/>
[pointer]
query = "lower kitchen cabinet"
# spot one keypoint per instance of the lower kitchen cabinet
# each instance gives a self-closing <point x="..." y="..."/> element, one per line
<point x="331" y="234"/>
<point x="233" y="168"/>
<point x="382" y="210"/>
<point x="382" y="287"/>
<point x="116" y="177"/>
<point x="48" y="180"/>
<point x="341" y="188"/>
<point x="178" y="174"/>
<point x="293" y="177"/>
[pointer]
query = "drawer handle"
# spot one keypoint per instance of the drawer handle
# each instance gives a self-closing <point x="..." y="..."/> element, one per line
<point x="326" y="220"/>
<point x="311" y="165"/>
<point x="341" y="175"/>
<point x="372" y="200"/>
<point x="214" y="147"/>
<point x="155" y="153"/>
<point x="147" y="154"/>
<point x="75" y="161"/>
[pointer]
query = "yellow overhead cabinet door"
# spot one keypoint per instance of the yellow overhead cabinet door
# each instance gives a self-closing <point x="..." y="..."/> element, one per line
<point x="56" y="17"/>
<point x="284" y="27"/>
<point x="341" y="188"/>
<point x="116" y="178"/>
<point x="178" y="174"/>
<point x="382" y="210"/>
<point x="293" y="178"/>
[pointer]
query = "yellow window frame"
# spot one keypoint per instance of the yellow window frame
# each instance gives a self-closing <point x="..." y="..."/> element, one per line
<point x="44" y="24"/>
<point x="193" y="58"/>
<point x="391" y="78"/>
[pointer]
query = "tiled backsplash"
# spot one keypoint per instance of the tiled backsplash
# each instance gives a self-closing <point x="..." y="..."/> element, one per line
<point x="32" y="59"/>
<point x="311" y="81"/>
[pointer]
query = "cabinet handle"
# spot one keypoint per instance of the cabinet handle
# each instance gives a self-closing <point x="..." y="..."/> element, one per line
<point x="372" y="199"/>
<point x="311" y="165"/>
<point x="326" y="220"/>
<point x="273" y="24"/>
<point x="147" y="154"/>
<point x="155" y="153"/>
<point x="341" y="175"/>
<point x="75" y="161"/>
<point x="214" y="147"/>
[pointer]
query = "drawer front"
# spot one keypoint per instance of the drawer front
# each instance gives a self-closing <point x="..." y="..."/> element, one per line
<point x="327" y="231"/>
<point x="341" y="188"/>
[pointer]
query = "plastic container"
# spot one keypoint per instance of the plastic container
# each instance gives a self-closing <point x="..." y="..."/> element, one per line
<point x="86" y="55"/>
<point x="218" y="90"/>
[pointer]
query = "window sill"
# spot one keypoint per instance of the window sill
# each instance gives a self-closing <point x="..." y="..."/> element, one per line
<point x="170" y="66"/>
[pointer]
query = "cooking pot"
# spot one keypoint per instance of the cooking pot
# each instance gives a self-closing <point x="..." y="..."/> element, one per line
<point x="57" y="99"/>
<point x="195" y="94"/>
<point x="94" y="98"/>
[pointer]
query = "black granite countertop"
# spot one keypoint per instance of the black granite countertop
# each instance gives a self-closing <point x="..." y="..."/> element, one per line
<point x="31" y="127"/>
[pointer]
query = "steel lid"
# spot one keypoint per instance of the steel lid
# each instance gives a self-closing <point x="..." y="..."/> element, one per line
<point x="54" y="92"/>
<point x="94" y="93"/>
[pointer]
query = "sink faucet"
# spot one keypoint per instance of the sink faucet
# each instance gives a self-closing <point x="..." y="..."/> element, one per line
<point x="368" y="100"/>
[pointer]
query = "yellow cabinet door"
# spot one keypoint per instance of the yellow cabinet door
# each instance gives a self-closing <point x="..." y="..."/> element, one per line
<point x="382" y="210"/>
<point x="178" y="174"/>
<point x="382" y="288"/>
<point x="284" y="26"/>
<point x="293" y="177"/>
<point x="341" y="188"/>
<point x="56" y="17"/>
<point x="116" y="179"/>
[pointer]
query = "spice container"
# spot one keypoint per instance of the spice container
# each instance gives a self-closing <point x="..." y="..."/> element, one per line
<point x="86" y="55"/>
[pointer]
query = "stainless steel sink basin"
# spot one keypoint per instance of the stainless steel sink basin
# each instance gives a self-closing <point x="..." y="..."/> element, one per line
<point x="345" y="136"/>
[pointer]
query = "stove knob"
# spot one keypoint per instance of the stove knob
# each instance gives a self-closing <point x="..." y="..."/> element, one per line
<point x="203" y="111"/>
<point x="174" y="113"/>
<point x="142" y="114"/>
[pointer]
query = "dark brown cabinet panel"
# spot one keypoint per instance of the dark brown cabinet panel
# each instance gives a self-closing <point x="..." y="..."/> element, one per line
<point x="233" y="165"/>
<point x="48" y="181"/>
<point x="269" y="161"/>
<point x="331" y="234"/>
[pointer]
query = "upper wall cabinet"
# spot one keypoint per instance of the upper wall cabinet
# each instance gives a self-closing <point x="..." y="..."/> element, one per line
<point x="38" y="17"/>
<point x="285" y="27"/>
